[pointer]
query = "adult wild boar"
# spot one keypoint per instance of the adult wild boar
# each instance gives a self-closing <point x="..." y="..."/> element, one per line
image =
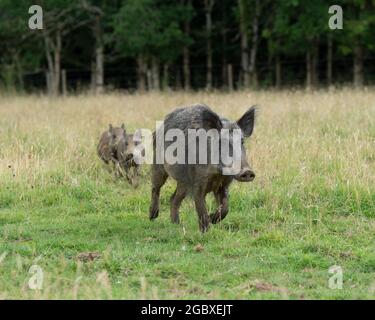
<point x="201" y="177"/>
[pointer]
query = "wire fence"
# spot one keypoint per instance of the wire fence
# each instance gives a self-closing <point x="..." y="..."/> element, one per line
<point x="293" y="73"/>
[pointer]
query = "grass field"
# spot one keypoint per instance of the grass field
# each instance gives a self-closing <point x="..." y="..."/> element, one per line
<point x="311" y="206"/>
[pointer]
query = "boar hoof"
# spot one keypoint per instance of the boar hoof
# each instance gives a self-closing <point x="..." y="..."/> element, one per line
<point x="154" y="213"/>
<point x="175" y="220"/>
<point x="214" y="218"/>
<point x="204" y="228"/>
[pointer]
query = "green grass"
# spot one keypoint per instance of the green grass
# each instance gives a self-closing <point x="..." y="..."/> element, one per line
<point x="312" y="205"/>
<point x="257" y="252"/>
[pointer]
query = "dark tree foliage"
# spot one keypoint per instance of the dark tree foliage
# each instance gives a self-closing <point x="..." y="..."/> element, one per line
<point x="185" y="44"/>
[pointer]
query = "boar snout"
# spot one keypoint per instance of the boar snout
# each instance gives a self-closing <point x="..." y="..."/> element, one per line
<point x="246" y="175"/>
<point x="129" y="157"/>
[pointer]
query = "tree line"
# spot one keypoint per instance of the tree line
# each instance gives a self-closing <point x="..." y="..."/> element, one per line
<point x="185" y="44"/>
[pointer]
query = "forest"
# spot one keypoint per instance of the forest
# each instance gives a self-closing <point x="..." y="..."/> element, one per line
<point x="102" y="45"/>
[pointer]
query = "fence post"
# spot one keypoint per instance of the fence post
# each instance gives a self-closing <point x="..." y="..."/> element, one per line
<point x="63" y="81"/>
<point x="230" y="77"/>
<point x="149" y="80"/>
<point x="49" y="83"/>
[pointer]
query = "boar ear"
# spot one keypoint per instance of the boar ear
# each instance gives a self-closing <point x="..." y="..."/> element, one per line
<point x="246" y="123"/>
<point x="123" y="128"/>
<point x="110" y="128"/>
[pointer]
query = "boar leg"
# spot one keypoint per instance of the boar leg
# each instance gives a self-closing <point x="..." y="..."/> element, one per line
<point x="176" y="201"/>
<point x="200" y="206"/>
<point x="159" y="176"/>
<point x="117" y="168"/>
<point x="222" y="210"/>
<point x="135" y="176"/>
<point x="128" y="174"/>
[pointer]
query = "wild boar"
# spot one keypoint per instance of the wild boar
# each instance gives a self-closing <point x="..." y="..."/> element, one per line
<point x="126" y="158"/>
<point x="201" y="178"/>
<point x="108" y="146"/>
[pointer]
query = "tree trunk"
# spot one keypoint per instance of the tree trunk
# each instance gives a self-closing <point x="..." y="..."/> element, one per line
<point x="358" y="66"/>
<point x="186" y="55"/>
<point x="150" y="83"/>
<point x="57" y="64"/>
<point x="244" y="45"/>
<point x="224" y="73"/>
<point x="99" y="57"/>
<point x="208" y="8"/>
<point x="99" y="71"/>
<point x="314" y="64"/>
<point x="308" y="70"/>
<point x="329" y="59"/>
<point x="224" y="70"/>
<point x="49" y="83"/>
<point x="63" y="82"/>
<point x="155" y="71"/>
<point x="186" y="62"/>
<point x="278" y="71"/>
<point x="18" y="69"/>
<point x="141" y="73"/>
<point x="254" y="45"/>
<point x="166" y="76"/>
<point x="93" y="78"/>
<point x="178" y="82"/>
<point x="230" y="77"/>
<point x="50" y="73"/>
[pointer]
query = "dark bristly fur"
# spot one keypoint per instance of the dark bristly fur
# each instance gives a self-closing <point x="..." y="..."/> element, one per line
<point x="125" y="156"/>
<point x="108" y="143"/>
<point x="199" y="179"/>
<point x="117" y="147"/>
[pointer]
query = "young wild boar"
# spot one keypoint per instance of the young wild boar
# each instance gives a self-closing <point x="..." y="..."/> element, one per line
<point x="126" y="158"/>
<point x="201" y="178"/>
<point x="109" y="142"/>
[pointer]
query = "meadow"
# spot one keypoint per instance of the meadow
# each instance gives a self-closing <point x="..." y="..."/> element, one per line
<point x="311" y="206"/>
